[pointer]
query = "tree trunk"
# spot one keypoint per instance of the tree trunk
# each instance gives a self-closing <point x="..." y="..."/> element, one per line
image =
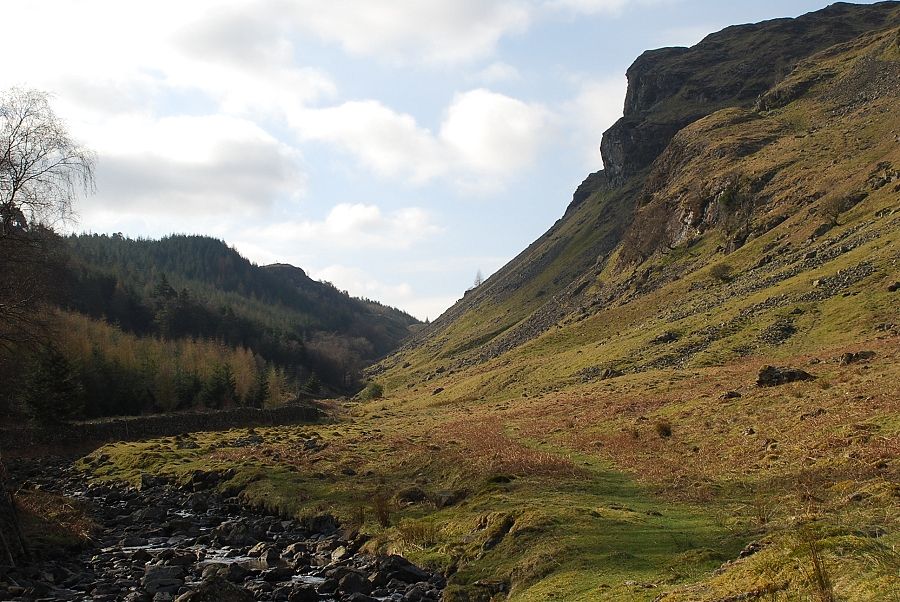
<point x="12" y="543"/>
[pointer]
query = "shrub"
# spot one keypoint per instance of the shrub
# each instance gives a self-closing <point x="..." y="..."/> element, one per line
<point x="721" y="272"/>
<point x="382" y="508"/>
<point x="419" y="533"/>
<point x="663" y="428"/>
<point x="373" y="390"/>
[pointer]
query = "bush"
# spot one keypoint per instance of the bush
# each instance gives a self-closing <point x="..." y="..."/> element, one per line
<point x="382" y="508"/>
<point x="721" y="272"/>
<point x="373" y="390"/>
<point x="663" y="428"/>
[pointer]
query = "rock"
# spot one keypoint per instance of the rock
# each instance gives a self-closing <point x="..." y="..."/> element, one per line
<point x="411" y="495"/>
<point x="235" y="572"/>
<point x="277" y="575"/>
<point x="339" y="554"/>
<point x="893" y="288"/>
<point x="397" y="567"/>
<point x="666" y="337"/>
<point x="303" y="593"/>
<point x="821" y="229"/>
<point x="162" y="578"/>
<point x="133" y="541"/>
<point x="438" y="390"/>
<point x="417" y="593"/>
<point x="328" y="586"/>
<point x="731" y="395"/>
<point x="859" y="356"/>
<point x="354" y="583"/>
<point x="770" y="376"/>
<point x="814" y="414"/>
<point x="216" y="589"/>
<point x="750" y="549"/>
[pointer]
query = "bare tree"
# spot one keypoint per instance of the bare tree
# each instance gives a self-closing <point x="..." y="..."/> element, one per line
<point x="42" y="170"/>
<point x="479" y="279"/>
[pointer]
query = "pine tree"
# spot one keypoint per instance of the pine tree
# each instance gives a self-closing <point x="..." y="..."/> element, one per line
<point x="53" y="391"/>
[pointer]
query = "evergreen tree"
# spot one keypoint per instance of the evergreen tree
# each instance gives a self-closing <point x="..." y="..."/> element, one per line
<point x="53" y="391"/>
<point x="220" y="389"/>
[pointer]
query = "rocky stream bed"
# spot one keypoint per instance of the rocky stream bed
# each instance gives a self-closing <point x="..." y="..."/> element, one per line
<point x="160" y="542"/>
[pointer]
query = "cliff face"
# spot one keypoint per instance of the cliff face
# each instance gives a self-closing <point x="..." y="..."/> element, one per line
<point x="671" y="88"/>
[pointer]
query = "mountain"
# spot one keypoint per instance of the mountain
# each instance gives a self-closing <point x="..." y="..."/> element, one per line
<point x="184" y="322"/>
<point x="747" y="216"/>
<point x="616" y="220"/>
<point x="685" y="390"/>
<point x="278" y="295"/>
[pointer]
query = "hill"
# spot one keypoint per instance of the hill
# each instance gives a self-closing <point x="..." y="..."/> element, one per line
<point x="686" y="389"/>
<point x="186" y="321"/>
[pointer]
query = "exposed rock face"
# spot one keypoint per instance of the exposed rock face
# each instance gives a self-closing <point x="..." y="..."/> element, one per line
<point x="670" y="88"/>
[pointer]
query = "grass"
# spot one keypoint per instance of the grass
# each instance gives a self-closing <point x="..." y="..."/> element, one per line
<point x="518" y="476"/>
<point x="53" y="525"/>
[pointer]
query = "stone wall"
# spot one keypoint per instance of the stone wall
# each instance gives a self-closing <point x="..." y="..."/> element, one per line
<point x="135" y="428"/>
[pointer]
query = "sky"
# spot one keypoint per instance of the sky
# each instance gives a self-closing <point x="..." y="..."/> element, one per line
<point x="392" y="147"/>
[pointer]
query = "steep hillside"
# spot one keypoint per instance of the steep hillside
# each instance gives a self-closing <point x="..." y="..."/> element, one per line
<point x="668" y="89"/>
<point x="684" y="391"/>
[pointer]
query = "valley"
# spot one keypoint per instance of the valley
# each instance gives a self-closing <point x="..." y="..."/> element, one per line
<point x="685" y="390"/>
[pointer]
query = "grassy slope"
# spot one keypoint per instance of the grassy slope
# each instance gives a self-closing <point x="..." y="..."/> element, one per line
<point x="581" y="466"/>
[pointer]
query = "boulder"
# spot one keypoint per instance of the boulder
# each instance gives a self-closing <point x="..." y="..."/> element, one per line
<point x="303" y="593"/>
<point x="162" y="579"/>
<point x="354" y="583"/>
<point x="770" y="376"/>
<point x="859" y="356"/>
<point x="397" y="567"/>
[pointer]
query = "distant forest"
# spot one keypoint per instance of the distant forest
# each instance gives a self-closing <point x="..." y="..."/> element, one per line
<point x="141" y="326"/>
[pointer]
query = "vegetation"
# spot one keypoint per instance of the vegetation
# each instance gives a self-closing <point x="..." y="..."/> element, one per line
<point x="587" y="424"/>
<point x="129" y="342"/>
<point x="549" y="441"/>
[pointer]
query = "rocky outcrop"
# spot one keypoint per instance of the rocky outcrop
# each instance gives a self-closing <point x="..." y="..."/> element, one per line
<point x="670" y="88"/>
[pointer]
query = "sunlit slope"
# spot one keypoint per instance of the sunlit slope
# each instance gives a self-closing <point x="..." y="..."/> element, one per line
<point x="743" y="207"/>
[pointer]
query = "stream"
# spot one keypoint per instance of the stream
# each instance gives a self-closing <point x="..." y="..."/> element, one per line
<point x="160" y="543"/>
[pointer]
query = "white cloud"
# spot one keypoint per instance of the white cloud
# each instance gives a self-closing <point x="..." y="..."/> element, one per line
<point x="433" y="31"/>
<point x="190" y="165"/>
<point x="389" y="143"/>
<point x="594" y="109"/>
<point x="595" y="7"/>
<point x="493" y="134"/>
<point x="356" y="226"/>
<point x="360" y="283"/>
<point x="484" y="138"/>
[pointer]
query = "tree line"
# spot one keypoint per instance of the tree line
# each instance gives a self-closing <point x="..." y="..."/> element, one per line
<point x="101" y="325"/>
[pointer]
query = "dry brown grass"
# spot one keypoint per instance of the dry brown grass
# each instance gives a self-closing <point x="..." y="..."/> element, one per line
<point x="488" y="450"/>
<point x="51" y="521"/>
